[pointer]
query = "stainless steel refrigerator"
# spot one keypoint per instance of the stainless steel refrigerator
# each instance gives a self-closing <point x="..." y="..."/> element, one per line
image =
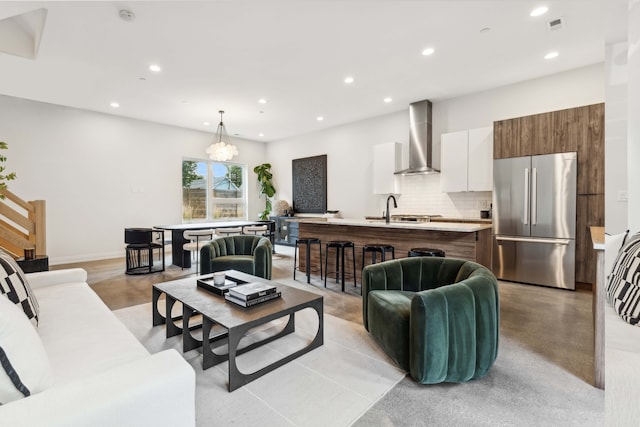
<point x="534" y="219"/>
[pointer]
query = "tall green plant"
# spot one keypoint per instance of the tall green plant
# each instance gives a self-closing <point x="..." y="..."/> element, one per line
<point x="266" y="187"/>
<point x="8" y="177"/>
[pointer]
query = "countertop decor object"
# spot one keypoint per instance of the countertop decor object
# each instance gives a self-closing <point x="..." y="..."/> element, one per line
<point x="281" y="208"/>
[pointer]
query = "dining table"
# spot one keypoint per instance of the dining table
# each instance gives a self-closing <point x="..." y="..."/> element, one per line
<point x="182" y="258"/>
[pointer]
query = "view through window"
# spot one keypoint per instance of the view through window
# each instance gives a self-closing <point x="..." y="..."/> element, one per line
<point x="213" y="191"/>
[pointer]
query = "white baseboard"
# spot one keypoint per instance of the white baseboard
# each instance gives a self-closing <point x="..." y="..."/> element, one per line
<point x="72" y="259"/>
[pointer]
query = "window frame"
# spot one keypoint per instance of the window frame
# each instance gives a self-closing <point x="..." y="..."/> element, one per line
<point x="211" y="201"/>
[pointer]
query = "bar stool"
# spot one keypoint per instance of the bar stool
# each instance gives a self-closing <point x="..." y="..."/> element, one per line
<point x="307" y="242"/>
<point x="339" y="246"/>
<point x="426" y="252"/>
<point x="228" y="231"/>
<point x="377" y="248"/>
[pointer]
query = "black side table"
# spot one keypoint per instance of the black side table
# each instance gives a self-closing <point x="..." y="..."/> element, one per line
<point x="39" y="263"/>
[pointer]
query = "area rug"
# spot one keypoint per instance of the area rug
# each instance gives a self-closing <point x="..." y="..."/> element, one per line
<point x="332" y="385"/>
<point x="521" y="389"/>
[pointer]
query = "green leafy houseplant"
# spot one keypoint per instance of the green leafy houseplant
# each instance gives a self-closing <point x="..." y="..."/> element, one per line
<point x="8" y="177"/>
<point x="266" y="187"/>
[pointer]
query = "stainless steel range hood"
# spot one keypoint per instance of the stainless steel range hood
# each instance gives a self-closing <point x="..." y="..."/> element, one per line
<point x="420" y="140"/>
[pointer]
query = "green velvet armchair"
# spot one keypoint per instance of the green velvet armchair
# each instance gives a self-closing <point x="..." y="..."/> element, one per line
<point x="437" y="318"/>
<point x="248" y="254"/>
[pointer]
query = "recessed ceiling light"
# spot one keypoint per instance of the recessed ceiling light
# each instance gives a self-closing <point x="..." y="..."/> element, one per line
<point x="262" y="101"/>
<point x="428" y="51"/>
<point x="539" y="11"/>
<point x="348" y="80"/>
<point x="114" y="104"/>
<point x="206" y="123"/>
<point x="319" y="118"/>
<point x="387" y="99"/>
<point x="551" y="55"/>
<point x="261" y="134"/>
<point x="155" y="68"/>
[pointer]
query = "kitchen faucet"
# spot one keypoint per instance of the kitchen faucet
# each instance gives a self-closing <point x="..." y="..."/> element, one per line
<point x="395" y="205"/>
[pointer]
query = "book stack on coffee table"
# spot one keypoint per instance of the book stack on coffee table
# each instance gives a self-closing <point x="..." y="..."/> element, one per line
<point x="253" y="293"/>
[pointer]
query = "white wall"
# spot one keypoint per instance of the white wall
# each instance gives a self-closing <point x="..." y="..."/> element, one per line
<point x="615" y="156"/>
<point x="101" y="173"/>
<point x="582" y="86"/>
<point x="633" y="124"/>
<point x="349" y="152"/>
<point x="349" y="161"/>
<point x="622" y="148"/>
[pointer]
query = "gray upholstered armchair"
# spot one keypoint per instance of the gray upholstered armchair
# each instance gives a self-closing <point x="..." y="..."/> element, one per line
<point x="248" y="254"/>
<point x="437" y="318"/>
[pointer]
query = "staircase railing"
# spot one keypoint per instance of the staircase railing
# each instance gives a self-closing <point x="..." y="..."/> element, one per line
<point x="22" y="225"/>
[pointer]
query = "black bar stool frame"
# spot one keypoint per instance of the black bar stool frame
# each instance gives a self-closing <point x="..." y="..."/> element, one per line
<point x="340" y="246"/>
<point x="426" y="252"/>
<point x="377" y="248"/>
<point x="307" y="242"/>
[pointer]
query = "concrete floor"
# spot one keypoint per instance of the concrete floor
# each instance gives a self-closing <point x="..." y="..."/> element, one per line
<point x="555" y="324"/>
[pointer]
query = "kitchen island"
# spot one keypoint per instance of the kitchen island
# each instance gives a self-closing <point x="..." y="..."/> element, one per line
<point x="458" y="240"/>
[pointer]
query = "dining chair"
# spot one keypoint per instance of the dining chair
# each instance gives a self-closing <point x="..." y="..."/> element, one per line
<point x="228" y="231"/>
<point x="256" y="230"/>
<point x="197" y="239"/>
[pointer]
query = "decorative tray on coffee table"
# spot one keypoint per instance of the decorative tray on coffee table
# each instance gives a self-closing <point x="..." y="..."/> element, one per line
<point x="208" y="285"/>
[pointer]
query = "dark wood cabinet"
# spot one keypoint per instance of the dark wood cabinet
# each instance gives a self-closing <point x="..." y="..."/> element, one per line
<point x="286" y="230"/>
<point x="591" y="151"/>
<point x="589" y="211"/>
<point x="579" y="129"/>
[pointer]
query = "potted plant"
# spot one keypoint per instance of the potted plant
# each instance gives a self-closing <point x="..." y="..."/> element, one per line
<point x="266" y="187"/>
<point x="8" y="177"/>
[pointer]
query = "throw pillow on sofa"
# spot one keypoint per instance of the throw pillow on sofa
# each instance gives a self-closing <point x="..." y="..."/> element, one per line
<point x="14" y="285"/>
<point x="623" y="286"/>
<point x="24" y="365"/>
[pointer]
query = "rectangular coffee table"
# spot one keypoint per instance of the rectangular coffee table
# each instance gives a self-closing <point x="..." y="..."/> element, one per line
<point x="236" y="320"/>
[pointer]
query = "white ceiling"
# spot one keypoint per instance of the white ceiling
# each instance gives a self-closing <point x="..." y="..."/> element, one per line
<point x="228" y="54"/>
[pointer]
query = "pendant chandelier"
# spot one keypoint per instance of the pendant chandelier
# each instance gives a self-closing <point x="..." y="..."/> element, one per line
<point x="221" y="148"/>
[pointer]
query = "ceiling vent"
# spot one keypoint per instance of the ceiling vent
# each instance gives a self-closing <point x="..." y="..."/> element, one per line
<point x="127" y="15"/>
<point x="556" y="24"/>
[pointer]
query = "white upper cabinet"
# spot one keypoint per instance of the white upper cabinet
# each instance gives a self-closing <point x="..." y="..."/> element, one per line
<point x="387" y="159"/>
<point x="467" y="160"/>
<point x="453" y="161"/>
<point x="480" y="168"/>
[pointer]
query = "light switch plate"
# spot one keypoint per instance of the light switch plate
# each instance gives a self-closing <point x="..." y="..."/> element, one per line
<point x="623" y="196"/>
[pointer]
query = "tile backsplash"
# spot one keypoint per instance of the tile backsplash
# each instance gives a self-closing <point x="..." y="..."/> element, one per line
<point x="420" y="194"/>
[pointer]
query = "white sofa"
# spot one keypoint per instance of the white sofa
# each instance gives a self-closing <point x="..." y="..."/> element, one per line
<point x="102" y="375"/>
<point x="622" y="355"/>
<point x="622" y="376"/>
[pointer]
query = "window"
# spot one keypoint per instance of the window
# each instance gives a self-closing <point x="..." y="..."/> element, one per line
<point x="213" y="191"/>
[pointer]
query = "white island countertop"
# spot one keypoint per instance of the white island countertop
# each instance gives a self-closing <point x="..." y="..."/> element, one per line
<point x="434" y="226"/>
